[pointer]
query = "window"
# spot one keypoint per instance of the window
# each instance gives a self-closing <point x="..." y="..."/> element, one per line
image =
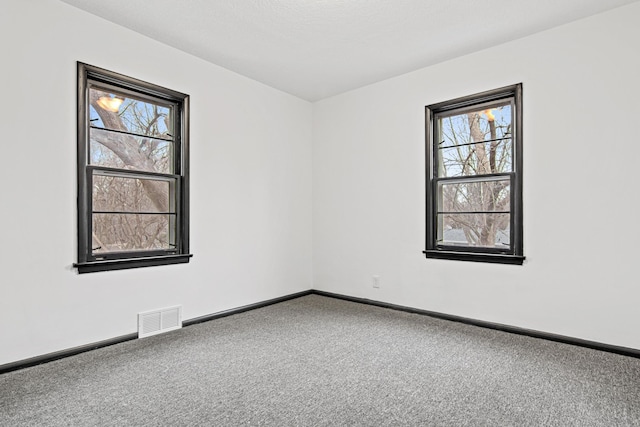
<point x="474" y="177"/>
<point x="133" y="173"/>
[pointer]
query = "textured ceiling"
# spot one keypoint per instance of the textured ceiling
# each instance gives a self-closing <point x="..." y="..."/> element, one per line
<point x="318" y="48"/>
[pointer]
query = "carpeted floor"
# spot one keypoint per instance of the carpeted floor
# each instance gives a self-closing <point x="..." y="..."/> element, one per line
<point x="318" y="361"/>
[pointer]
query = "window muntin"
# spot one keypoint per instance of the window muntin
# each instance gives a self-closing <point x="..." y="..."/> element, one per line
<point x="156" y="153"/>
<point x="474" y="177"/>
<point x="132" y="172"/>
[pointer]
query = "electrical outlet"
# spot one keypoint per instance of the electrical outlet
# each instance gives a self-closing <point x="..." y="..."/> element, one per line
<point x="376" y="281"/>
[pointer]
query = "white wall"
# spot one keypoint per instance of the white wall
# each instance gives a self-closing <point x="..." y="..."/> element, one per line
<point x="581" y="150"/>
<point x="250" y="193"/>
<point x="251" y="203"/>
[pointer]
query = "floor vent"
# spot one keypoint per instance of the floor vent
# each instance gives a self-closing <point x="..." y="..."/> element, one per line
<point x="158" y="321"/>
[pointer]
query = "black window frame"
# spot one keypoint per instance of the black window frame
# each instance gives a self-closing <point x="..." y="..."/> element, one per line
<point x="88" y="262"/>
<point x="512" y="255"/>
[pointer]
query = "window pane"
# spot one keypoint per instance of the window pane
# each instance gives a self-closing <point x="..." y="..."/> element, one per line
<point x="474" y="196"/>
<point x="466" y="160"/>
<point x="132" y="232"/>
<point x="474" y="229"/>
<point x="123" y="194"/>
<point x="120" y="150"/>
<point x="476" y="142"/>
<point x="110" y="110"/>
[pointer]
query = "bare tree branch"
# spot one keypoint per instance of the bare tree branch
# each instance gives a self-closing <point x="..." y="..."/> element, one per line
<point x="128" y="150"/>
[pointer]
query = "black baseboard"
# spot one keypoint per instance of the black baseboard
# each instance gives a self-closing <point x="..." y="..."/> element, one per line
<point x="50" y="357"/>
<point x="244" y="308"/>
<point x="625" y="351"/>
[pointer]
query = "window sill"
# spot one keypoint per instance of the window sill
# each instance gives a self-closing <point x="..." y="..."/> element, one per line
<point x="475" y="257"/>
<point x="120" y="264"/>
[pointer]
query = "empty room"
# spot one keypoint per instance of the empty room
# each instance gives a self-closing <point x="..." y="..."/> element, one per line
<point x="320" y="213"/>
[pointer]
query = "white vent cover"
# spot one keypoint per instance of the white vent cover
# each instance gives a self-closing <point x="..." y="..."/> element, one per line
<point x="158" y="321"/>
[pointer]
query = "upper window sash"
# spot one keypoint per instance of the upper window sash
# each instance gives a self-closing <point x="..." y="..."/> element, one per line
<point x="460" y="136"/>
